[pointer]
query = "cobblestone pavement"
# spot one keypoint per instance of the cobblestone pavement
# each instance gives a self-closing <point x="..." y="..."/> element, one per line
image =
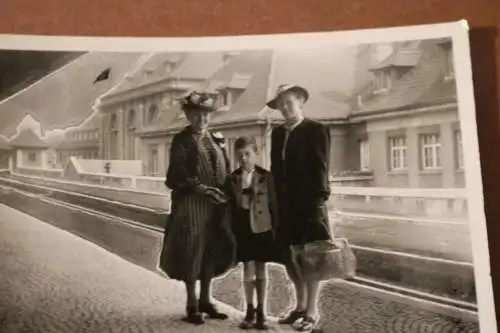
<point x="345" y="309"/>
<point x="53" y="281"/>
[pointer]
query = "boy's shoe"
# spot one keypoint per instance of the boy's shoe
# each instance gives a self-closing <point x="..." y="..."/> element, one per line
<point x="261" y="323"/>
<point x="247" y="322"/>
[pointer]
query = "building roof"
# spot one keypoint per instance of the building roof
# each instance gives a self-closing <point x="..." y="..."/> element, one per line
<point x="92" y="122"/>
<point x="80" y="144"/>
<point x="160" y="66"/>
<point x="422" y="84"/>
<point x="65" y="97"/>
<point x="4" y="144"/>
<point x="260" y="73"/>
<point x="27" y="138"/>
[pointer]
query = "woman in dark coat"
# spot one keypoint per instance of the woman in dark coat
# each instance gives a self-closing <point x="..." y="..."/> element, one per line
<point x="198" y="244"/>
<point x="300" y="155"/>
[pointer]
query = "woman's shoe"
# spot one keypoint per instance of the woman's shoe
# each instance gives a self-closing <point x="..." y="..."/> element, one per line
<point x="211" y="311"/>
<point x="261" y="322"/>
<point x="292" y="317"/>
<point x="307" y="324"/>
<point x="193" y="316"/>
<point x="247" y="322"/>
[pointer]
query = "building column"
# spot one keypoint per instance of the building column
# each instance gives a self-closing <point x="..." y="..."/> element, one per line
<point x="338" y="150"/>
<point x="11" y="162"/>
<point x="105" y="137"/>
<point x="19" y="160"/>
<point x="44" y="159"/>
<point x="121" y="134"/>
<point x="266" y="147"/>
<point x="448" y="155"/>
<point x="162" y="159"/>
<point x="379" y="157"/>
<point x="413" y="157"/>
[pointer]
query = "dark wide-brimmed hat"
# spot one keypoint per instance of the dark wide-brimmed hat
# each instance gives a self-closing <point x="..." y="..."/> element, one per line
<point x="286" y="88"/>
<point x="198" y="101"/>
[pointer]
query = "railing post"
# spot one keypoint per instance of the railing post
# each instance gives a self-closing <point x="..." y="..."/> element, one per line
<point x="134" y="182"/>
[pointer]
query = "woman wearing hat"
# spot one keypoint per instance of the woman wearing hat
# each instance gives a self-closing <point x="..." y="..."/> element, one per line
<point x="300" y="154"/>
<point x="198" y="244"/>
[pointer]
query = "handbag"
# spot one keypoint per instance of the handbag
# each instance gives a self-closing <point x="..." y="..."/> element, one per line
<point x="324" y="260"/>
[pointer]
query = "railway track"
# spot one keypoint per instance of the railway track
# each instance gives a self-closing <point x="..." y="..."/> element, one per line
<point x="46" y="195"/>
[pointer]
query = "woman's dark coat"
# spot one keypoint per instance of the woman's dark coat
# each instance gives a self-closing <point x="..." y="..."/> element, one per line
<point x="302" y="182"/>
<point x="198" y="240"/>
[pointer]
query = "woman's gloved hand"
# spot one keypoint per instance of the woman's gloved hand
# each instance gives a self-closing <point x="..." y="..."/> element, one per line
<point x="214" y="194"/>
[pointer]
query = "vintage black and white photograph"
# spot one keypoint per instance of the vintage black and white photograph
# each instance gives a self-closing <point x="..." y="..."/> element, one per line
<point x="322" y="182"/>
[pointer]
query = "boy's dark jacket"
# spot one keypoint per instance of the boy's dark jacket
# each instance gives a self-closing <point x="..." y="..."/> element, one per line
<point x="264" y="195"/>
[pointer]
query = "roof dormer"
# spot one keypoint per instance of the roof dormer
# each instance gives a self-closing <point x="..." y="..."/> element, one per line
<point x="448" y="63"/>
<point x="404" y="57"/>
<point x="228" y="56"/>
<point x="147" y="72"/>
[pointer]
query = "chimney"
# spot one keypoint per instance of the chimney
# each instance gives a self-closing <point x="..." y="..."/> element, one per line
<point x="359" y="101"/>
<point x="228" y="56"/>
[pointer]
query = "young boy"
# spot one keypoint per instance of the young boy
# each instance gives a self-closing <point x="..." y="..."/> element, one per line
<point x="253" y="209"/>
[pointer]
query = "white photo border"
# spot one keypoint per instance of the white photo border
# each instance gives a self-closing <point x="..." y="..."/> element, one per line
<point x="457" y="31"/>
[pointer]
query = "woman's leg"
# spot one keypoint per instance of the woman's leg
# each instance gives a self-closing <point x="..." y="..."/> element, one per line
<point x="299" y="287"/>
<point x="191" y="301"/>
<point x="300" y="296"/>
<point x="206" y="290"/>
<point x="205" y="304"/>
<point x="310" y="320"/>
<point x="193" y="314"/>
<point x="312" y="298"/>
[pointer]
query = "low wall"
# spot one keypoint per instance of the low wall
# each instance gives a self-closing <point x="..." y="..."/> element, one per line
<point x="45" y="173"/>
<point x="155" y="201"/>
<point x="425" y="203"/>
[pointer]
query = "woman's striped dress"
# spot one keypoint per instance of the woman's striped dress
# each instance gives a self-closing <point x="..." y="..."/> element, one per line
<point x="196" y="243"/>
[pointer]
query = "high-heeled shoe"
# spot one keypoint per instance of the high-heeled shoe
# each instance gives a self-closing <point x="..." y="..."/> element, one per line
<point x="292" y="317"/>
<point x="193" y="316"/>
<point x="211" y="311"/>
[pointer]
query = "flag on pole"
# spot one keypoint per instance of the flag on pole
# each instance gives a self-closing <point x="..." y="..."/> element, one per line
<point x="104" y="75"/>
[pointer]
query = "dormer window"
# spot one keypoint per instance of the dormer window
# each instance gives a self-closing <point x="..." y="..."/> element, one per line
<point x="449" y="65"/>
<point x="147" y="73"/>
<point x="382" y="81"/>
<point x="448" y="62"/>
<point x="224" y="98"/>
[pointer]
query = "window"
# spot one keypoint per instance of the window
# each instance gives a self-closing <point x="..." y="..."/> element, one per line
<point x="131" y="136"/>
<point x="152" y="114"/>
<point x="364" y="155"/>
<point x="398" y="148"/>
<point x="431" y="151"/>
<point x="382" y="81"/>
<point x="32" y="157"/>
<point x="224" y="98"/>
<point x="114" y="137"/>
<point x="459" y="150"/>
<point x="449" y="69"/>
